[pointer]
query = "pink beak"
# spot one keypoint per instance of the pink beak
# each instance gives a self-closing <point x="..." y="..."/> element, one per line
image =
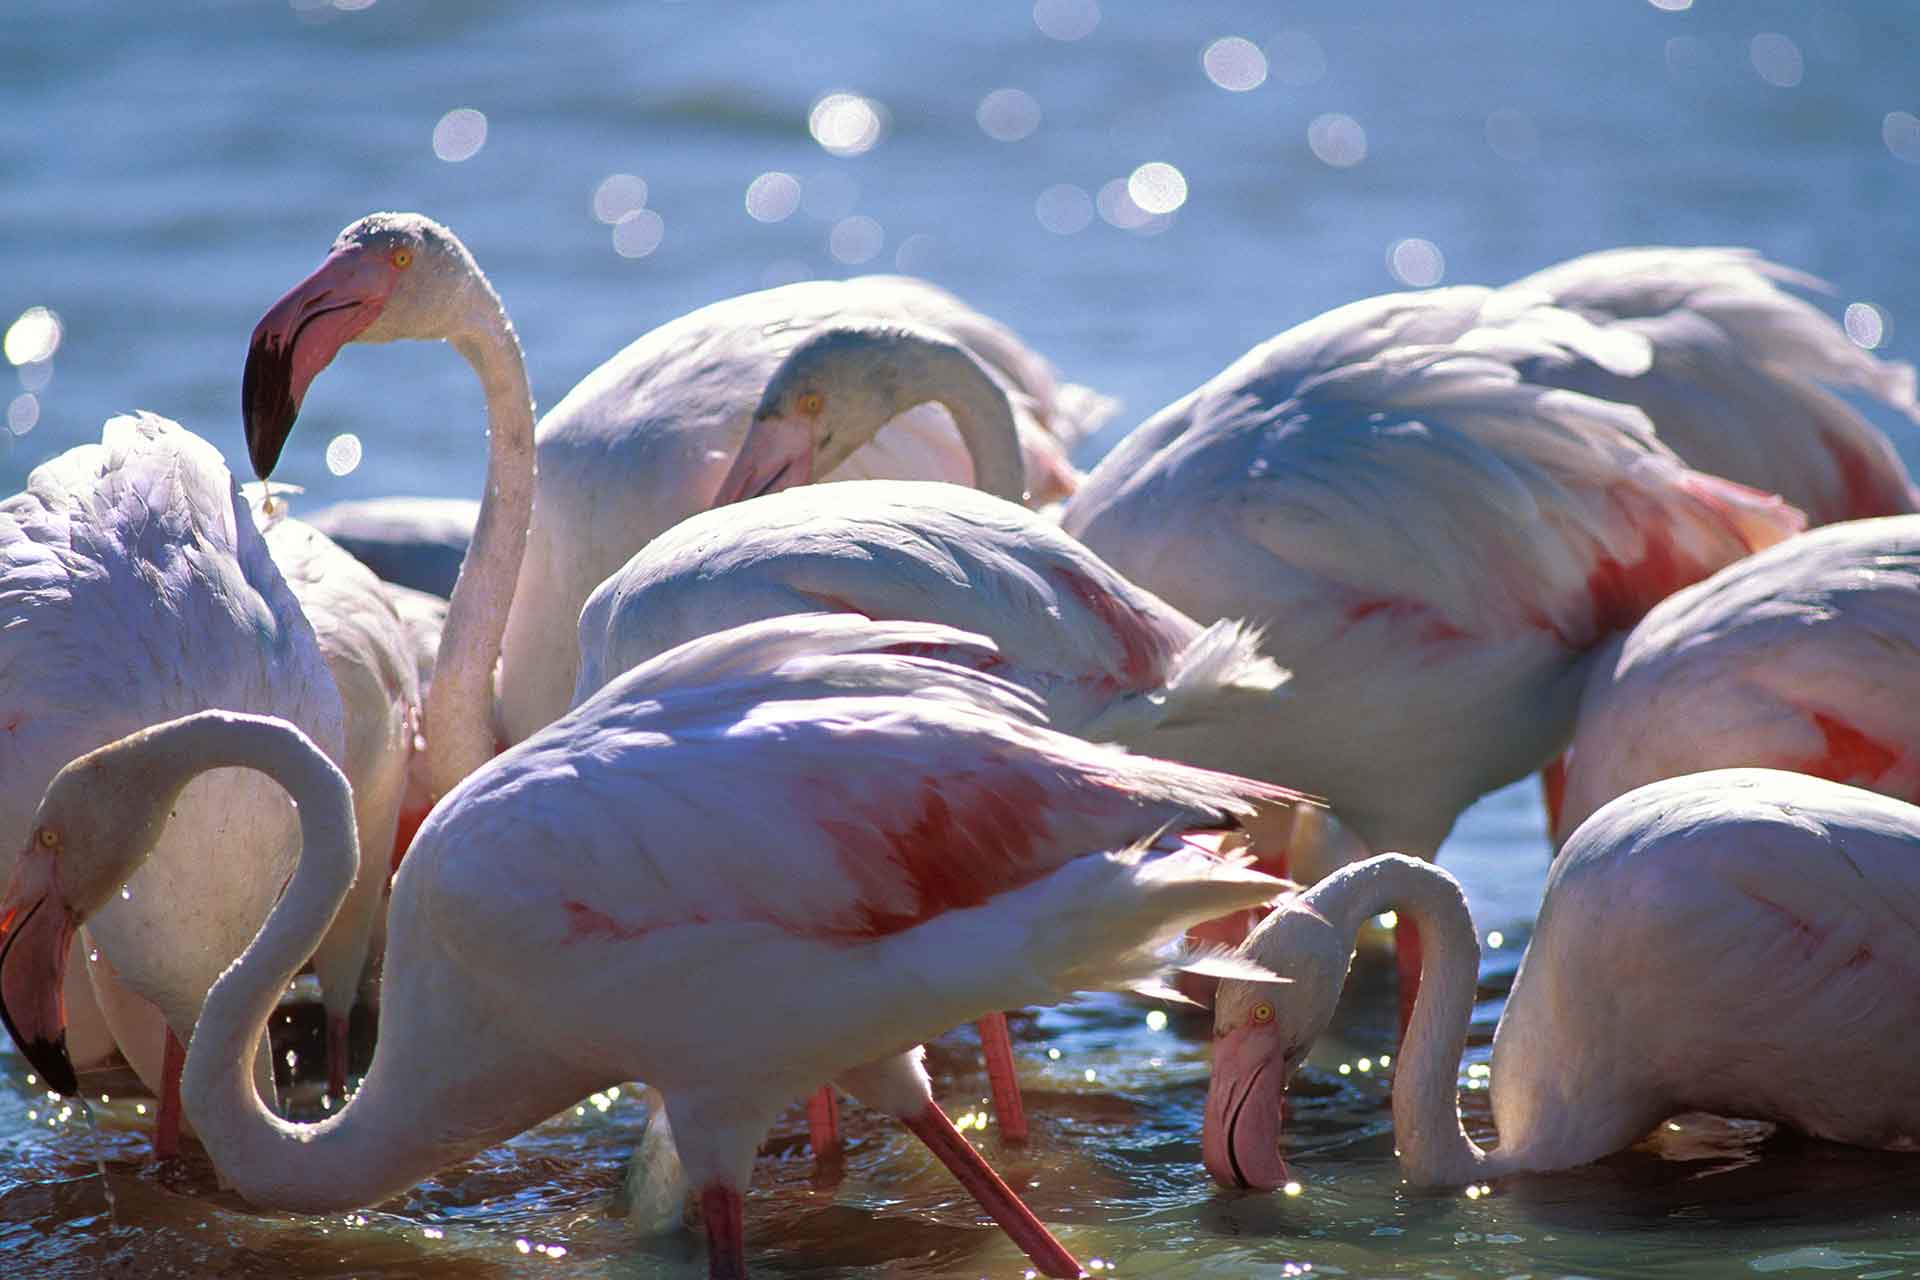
<point x="777" y="454"/>
<point x="1241" y="1139"/>
<point x="36" y="931"/>
<point x="298" y="337"/>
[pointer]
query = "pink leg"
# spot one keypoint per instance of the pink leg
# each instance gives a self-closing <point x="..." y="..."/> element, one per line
<point x="932" y="1127"/>
<point x="1406" y="950"/>
<point x="996" y="1046"/>
<point x="724" y="1212"/>
<point x="166" y="1127"/>
<point x="823" y="1124"/>
<point x="337" y="1058"/>
<point x="1553" y="791"/>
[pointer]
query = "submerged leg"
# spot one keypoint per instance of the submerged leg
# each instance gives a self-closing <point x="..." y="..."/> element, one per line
<point x="996" y="1046"/>
<point x="931" y="1126"/>
<point x="725" y="1213"/>
<point x="823" y="1124"/>
<point x="337" y="1057"/>
<point x="166" y="1127"/>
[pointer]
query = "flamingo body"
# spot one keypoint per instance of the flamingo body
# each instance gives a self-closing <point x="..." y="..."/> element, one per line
<point x="1802" y="657"/>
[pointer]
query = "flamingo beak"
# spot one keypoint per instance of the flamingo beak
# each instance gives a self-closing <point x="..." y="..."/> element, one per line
<point x="777" y="454"/>
<point x="1241" y="1139"/>
<point x="297" y="338"/>
<point x="36" y="932"/>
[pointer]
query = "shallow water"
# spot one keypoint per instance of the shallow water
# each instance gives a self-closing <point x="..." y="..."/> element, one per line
<point x="169" y="170"/>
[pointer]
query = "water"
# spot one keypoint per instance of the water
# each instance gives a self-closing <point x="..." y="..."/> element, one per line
<point x="169" y="170"/>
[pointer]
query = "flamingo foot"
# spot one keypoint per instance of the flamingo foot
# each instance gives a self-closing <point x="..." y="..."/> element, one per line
<point x="996" y="1046"/>
<point x="336" y="1058"/>
<point x="932" y="1127"/>
<point x="725" y="1216"/>
<point x="166" y="1126"/>
<point x="823" y="1125"/>
<point x="1406" y="952"/>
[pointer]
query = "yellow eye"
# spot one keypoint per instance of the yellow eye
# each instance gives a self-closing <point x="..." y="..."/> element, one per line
<point x="1262" y="1014"/>
<point x="811" y="403"/>
<point x="49" y="838"/>
<point x="403" y="258"/>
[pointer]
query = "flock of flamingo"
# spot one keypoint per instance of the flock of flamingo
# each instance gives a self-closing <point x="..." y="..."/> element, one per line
<point x="696" y="773"/>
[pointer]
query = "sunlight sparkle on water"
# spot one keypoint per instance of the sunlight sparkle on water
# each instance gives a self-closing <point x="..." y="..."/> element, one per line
<point x="1865" y="325"/>
<point x="1496" y="939"/>
<point x="343" y="454"/>
<point x="1416" y="262"/>
<point x="23" y="412"/>
<point x="1156" y="1020"/>
<point x="33" y="337"/>
<point x="1066" y="19"/>
<point x="856" y="240"/>
<point x="1157" y="187"/>
<point x="460" y="135"/>
<point x="846" y="124"/>
<point x="639" y="233"/>
<point x="773" y="196"/>
<point x="1008" y="115"/>
<point x="1337" y="139"/>
<point x="1292" y="1189"/>
<point x="1064" y="209"/>
<point x="618" y="195"/>
<point x="1234" y="63"/>
<point x="1777" y="59"/>
<point x="1387" y="919"/>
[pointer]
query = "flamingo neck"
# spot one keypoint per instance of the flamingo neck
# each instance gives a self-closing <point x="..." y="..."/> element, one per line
<point x="1434" y="1147"/>
<point x="955" y="379"/>
<point x="371" y="1149"/>
<point x="459" y="711"/>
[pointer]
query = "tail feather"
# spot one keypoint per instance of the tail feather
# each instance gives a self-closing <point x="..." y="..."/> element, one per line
<point x="1758" y="519"/>
<point x="1077" y="412"/>
<point x="1220" y="677"/>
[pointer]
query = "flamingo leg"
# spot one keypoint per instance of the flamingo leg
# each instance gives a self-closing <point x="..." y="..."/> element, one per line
<point x="996" y="1046"/>
<point x="1406" y="952"/>
<point x="1553" y="790"/>
<point x="337" y="1057"/>
<point x="166" y="1126"/>
<point x="931" y="1126"/>
<point x="725" y="1215"/>
<point x="823" y="1124"/>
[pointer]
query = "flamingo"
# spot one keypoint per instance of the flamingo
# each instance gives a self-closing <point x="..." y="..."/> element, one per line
<point x="640" y="443"/>
<point x="1110" y="661"/>
<point x="1803" y="657"/>
<point x="134" y="588"/>
<point x="1741" y="942"/>
<point x="940" y="854"/>
<point x="1431" y="544"/>
<point x="372" y="659"/>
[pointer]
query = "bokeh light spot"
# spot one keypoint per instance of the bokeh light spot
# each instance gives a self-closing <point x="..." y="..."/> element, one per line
<point x="343" y="454"/>
<point x="1777" y="59"/>
<point x="1157" y="187"/>
<point x="1671" y="6"/>
<point x="1064" y="209"/>
<point x="856" y="240"/>
<point x="33" y="337"/>
<point x="1117" y="207"/>
<point x="1511" y="135"/>
<point x="23" y="411"/>
<point x="1337" y="140"/>
<point x="1416" y="262"/>
<point x="1066" y="19"/>
<point x="1296" y="58"/>
<point x="915" y="254"/>
<point x="772" y="197"/>
<point x="1901" y="132"/>
<point x="1865" y="325"/>
<point x="846" y="124"/>
<point x="618" y="195"/>
<point x="638" y="234"/>
<point x="1235" y="63"/>
<point x="1008" y="115"/>
<point x="460" y="135"/>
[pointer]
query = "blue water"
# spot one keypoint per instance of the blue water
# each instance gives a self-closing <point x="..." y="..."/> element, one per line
<point x="169" y="170"/>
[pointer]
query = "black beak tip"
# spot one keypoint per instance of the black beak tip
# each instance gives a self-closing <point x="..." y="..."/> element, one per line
<point x="49" y="1058"/>
<point x="266" y="408"/>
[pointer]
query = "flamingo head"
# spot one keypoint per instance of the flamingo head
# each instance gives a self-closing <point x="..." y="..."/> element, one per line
<point x="830" y="395"/>
<point x="389" y="276"/>
<point x="90" y="835"/>
<point x="1261" y="1033"/>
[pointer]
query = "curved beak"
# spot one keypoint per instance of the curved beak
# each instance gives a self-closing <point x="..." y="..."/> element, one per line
<point x="777" y="454"/>
<point x="36" y="932"/>
<point x="297" y="338"/>
<point x="1241" y="1140"/>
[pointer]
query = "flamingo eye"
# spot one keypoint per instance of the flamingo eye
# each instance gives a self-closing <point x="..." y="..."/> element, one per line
<point x="402" y="258"/>
<point x="49" y="838"/>
<point x="811" y="403"/>
<point x="1262" y="1014"/>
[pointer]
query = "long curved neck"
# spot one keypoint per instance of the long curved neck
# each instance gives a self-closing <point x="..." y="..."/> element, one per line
<point x="1434" y="1148"/>
<point x="459" y="712"/>
<point x="952" y="377"/>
